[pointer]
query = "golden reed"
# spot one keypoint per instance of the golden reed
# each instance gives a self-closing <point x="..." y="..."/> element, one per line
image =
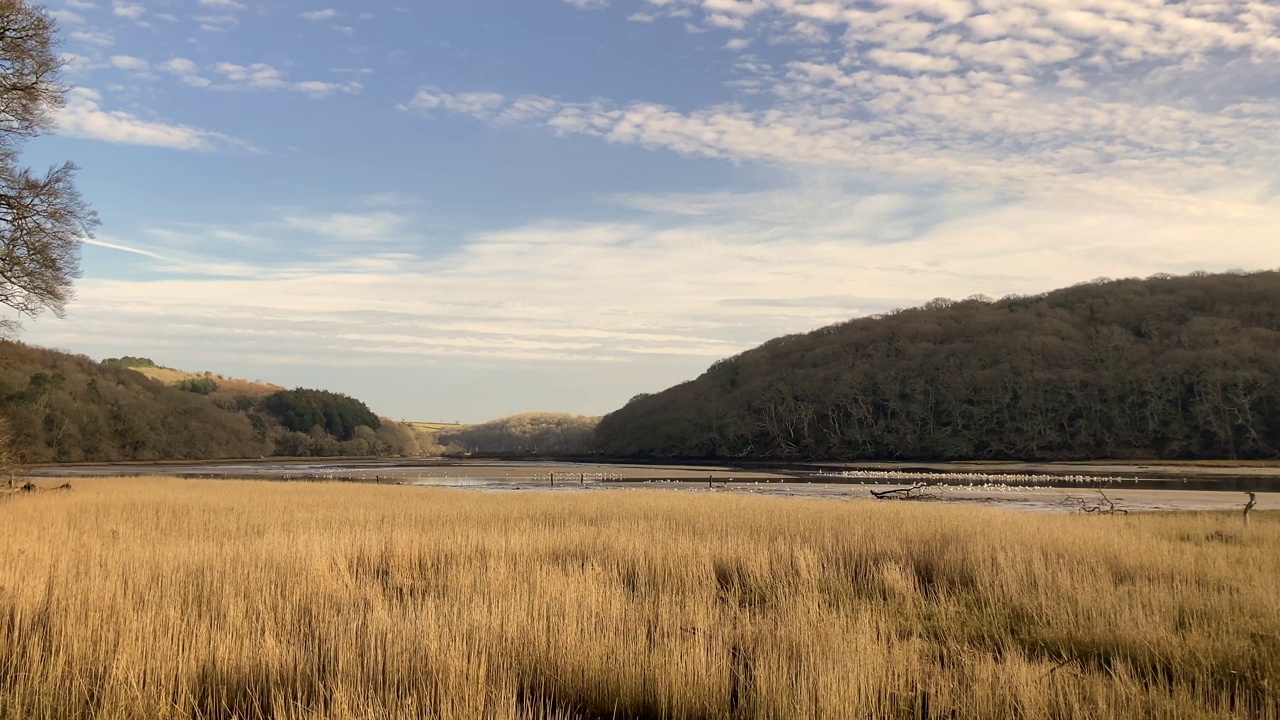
<point x="158" y="598"/>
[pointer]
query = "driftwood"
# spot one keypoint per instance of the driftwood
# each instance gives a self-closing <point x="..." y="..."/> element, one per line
<point x="1104" y="507"/>
<point x="919" y="491"/>
<point x="1253" y="500"/>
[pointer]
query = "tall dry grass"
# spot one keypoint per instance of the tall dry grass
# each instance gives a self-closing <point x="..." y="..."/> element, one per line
<point x="177" y="599"/>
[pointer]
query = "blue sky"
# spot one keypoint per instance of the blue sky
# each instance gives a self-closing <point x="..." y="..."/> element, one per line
<point x="461" y="210"/>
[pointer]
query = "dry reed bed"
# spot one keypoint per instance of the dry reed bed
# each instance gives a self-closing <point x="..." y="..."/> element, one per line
<point x="189" y="599"/>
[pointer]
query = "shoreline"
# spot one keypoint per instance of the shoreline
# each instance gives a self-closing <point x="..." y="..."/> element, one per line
<point x="1154" y="470"/>
<point x="534" y="473"/>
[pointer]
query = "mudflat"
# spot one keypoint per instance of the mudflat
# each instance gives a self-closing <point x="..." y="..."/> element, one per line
<point x="1023" y="486"/>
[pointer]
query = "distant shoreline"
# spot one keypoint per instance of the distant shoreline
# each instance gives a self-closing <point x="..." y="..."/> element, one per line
<point x="1225" y="475"/>
<point x="1163" y="470"/>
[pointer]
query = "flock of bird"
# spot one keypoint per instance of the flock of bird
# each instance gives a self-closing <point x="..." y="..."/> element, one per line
<point x="966" y="479"/>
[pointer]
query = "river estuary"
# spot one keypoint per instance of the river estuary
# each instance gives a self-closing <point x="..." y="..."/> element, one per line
<point x="1064" y="488"/>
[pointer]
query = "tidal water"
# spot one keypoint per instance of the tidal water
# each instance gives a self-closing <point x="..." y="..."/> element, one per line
<point x="1028" y="488"/>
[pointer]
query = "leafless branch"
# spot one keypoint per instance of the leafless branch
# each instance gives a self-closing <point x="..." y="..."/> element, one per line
<point x="919" y="491"/>
<point x="1103" y="507"/>
<point x="43" y="218"/>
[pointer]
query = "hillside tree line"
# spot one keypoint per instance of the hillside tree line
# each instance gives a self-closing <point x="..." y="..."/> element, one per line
<point x="1168" y="367"/>
<point x="68" y="408"/>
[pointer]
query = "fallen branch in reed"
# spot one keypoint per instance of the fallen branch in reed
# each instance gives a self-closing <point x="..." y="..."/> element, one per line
<point x="919" y="491"/>
<point x="1104" y="507"/>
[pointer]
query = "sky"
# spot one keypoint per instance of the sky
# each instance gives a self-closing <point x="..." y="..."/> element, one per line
<point x="461" y="210"/>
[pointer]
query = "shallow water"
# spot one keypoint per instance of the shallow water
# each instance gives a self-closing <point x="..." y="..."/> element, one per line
<point x="1026" y="491"/>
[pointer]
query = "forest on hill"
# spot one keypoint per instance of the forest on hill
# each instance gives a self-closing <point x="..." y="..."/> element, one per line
<point x="525" y="434"/>
<point x="67" y="408"/>
<point x="1167" y="367"/>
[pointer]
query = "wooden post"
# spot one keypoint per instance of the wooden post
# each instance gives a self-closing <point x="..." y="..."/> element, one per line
<point x="582" y="480"/>
<point x="553" y="478"/>
<point x="1253" y="500"/>
<point x="711" y="480"/>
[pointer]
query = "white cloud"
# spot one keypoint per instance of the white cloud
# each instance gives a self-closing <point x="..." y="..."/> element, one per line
<point x="258" y="76"/>
<point x="914" y="62"/>
<point x="128" y="63"/>
<point x="318" y="15"/>
<point x="83" y="117"/>
<point x="319" y="89"/>
<point x="385" y="226"/>
<point x="485" y="105"/>
<point x="93" y="37"/>
<point x="179" y="66"/>
<point x="67" y="17"/>
<point x="128" y="9"/>
<point x="216" y="23"/>
<point x="186" y="70"/>
<point x="223" y="4"/>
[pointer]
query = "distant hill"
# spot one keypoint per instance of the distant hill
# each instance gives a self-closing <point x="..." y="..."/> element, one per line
<point x="1168" y="367"/>
<point x="525" y="434"/>
<point x="68" y="408"/>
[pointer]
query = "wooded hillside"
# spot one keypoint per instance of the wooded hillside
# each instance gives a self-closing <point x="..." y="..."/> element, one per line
<point x="1176" y="367"/>
<point x="526" y="434"/>
<point x="68" y="408"/>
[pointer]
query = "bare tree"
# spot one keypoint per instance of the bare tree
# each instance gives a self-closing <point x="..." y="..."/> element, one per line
<point x="43" y="219"/>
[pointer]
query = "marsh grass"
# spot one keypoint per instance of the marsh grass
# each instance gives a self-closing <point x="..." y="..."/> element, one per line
<point x="214" y="600"/>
